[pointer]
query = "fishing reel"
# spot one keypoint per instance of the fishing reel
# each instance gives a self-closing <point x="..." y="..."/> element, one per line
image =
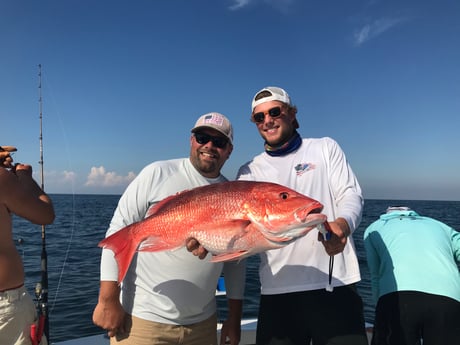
<point x="38" y="291"/>
<point x="41" y="297"/>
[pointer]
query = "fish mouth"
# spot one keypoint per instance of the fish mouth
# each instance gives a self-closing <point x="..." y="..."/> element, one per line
<point x="309" y="215"/>
<point x="305" y="220"/>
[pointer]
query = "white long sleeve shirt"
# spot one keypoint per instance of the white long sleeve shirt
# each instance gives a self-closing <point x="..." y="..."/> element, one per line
<point x="318" y="169"/>
<point x="172" y="287"/>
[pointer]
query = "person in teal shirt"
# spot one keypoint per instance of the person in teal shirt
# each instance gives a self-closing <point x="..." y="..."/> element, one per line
<point x="413" y="262"/>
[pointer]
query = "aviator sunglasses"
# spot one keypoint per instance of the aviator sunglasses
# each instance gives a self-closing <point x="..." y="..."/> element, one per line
<point x="260" y="117"/>
<point x="203" y="138"/>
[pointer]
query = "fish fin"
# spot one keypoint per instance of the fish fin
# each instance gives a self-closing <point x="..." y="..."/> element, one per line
<point x="123" y="248"/>
<point x="229" y="256"/>
<point x="155" y="208"/>
<point x="156" y="244"/>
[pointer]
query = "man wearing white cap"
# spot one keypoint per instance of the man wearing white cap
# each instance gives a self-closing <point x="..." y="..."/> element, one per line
<point x="307" y="287"/>
<point x="169" y="297"/>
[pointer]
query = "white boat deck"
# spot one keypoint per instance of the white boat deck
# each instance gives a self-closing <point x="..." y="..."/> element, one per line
<point x="248" y="329"/>
<point x="248" y="336"/>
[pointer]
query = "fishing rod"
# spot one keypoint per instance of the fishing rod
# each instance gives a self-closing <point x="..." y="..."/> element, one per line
<point x="41" y="289"/>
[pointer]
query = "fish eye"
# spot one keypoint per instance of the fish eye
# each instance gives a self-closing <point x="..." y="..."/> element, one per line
<point x="284" y="195"/>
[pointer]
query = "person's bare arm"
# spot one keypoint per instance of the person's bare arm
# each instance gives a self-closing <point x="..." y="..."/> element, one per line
<point x="109" y="313"/>
<point x="231" y="327"/>
<point x="24" y="197"/>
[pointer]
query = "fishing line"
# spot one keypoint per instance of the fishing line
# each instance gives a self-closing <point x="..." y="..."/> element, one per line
<point x="72" y="180"/>
<point x="61" y="274"/>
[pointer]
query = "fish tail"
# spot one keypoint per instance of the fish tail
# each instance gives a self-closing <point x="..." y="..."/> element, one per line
<point x="123" y="247"/>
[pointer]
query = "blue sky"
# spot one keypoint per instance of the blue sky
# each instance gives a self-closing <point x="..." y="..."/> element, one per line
<point x="124" y="81"/>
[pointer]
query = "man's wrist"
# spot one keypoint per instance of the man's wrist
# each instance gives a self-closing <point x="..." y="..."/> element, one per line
<point x="344" y="226"/>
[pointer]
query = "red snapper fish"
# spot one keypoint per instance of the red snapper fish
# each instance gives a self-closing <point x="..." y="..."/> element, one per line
<point x="232" y="220"/>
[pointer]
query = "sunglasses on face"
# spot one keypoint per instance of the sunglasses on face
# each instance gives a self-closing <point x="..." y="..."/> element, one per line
<point x="260" y="117"/>
<point x="203" y="138"/>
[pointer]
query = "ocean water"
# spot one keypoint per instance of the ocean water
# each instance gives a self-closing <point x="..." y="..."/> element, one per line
<point x="73" y="257"/>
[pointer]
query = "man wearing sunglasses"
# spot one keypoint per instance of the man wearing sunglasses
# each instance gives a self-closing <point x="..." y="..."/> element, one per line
<point x="169" y="297"/>
<point x="307" y="287"/>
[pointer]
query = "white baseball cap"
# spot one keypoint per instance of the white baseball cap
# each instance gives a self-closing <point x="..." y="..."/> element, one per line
<point x="276" y="94"/>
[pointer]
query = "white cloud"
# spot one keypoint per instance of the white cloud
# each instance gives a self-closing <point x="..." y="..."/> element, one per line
<point x="98" y="177"/>
<point x="239" y="4"/>
<point x="281" y="5"/>
<point x="374" y="29"/>
<point x="68" y="176"/>
<point x="57" y="181"/>
<point x="57" y="177"/>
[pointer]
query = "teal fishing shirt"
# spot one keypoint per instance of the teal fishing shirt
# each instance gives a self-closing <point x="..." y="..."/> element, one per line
<point x="409" y="252"/>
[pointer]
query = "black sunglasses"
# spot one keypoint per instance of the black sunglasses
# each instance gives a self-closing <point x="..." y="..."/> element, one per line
<point x="260" y="117"/>
<point x="203" y="138"/>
